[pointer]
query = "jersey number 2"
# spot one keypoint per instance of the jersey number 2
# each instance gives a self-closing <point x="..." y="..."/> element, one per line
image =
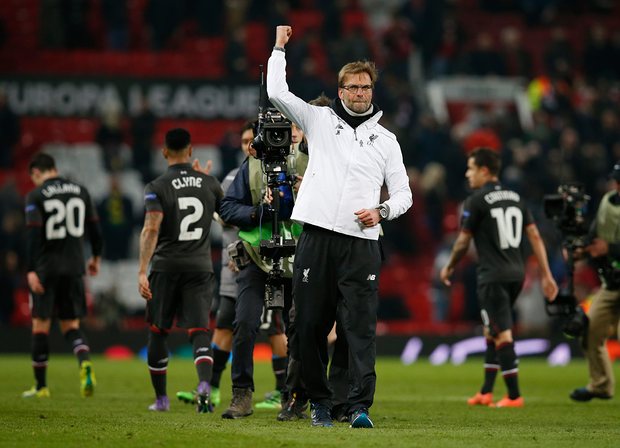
<point x="509" y="226"/>
<point x="64" y="218"/>
<point x="198" y="209"/>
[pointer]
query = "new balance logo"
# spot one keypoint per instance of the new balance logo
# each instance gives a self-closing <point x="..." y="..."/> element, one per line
<point x="371" y="277"/>
<point x="305" y="275"/>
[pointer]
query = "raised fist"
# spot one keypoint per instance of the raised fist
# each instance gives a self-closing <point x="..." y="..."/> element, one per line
<point x="283" y="33"/>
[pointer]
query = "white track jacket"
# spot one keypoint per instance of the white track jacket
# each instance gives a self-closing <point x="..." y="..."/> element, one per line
<point x="347" y="166"/>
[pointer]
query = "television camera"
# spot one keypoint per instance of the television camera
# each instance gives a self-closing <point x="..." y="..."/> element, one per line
<point x="567" y="209"/>
<point x="272" y="144"/>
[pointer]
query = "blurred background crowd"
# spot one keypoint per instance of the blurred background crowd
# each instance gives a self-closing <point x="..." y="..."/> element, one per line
<point x="561" y="57"/>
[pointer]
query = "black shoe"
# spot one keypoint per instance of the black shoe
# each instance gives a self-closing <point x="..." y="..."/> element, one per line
<point x="320" y="415"/>
<point x="340" y="415"/>
<point x="293" y="409"/>
<point x="583" y="394"/>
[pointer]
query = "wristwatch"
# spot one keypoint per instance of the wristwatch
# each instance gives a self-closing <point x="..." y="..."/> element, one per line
<point x="384" y="211"/>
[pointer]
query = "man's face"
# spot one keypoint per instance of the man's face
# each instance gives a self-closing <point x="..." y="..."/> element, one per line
<point x="476" y="175"/>
<point x="297" y="134"/>
<point x="246" y="142"/>
<point x="356" y="92"/>
<point x="36" y="176"/>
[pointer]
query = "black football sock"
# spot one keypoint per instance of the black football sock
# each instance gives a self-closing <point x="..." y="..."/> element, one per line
<point x="157" y="358"/>
<point x="491" y="366"/>
<point x="80" y="347"/>
<point x="508" y="363"/>
<point x="279" y="363"/>
<point x="220" y="358"/>
<point x="40" y="357"/>
<point x="203" y="359"/>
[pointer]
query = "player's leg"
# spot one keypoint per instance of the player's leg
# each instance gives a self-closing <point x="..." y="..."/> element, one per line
<point x="222" y="344"/>
<point x="40" y="356"/>
<point x="491" y="366"/>
<point x="272" y="323"/>
<point x="73" y="335"/>
<point x="71" y="300"/>
<point x="160" y="312"/>
<point x="193" y="313"/>
<point x="339" y="373"/>
<point x="42" y="308"/>
<point x="500" y="324"/>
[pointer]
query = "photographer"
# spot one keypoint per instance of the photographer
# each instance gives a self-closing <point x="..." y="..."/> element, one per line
<point x="605" y="310"/>
<point x="246" y="205"/>
<point x="338" y="258"/>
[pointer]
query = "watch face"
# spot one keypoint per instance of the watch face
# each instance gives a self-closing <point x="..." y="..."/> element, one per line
<point x="383" y="212"/>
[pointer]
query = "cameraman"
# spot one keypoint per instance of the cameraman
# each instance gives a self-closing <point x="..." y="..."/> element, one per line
<point x="246" y="205"/>
<point x="338" y="257"/>
<point x="605" y="309"/>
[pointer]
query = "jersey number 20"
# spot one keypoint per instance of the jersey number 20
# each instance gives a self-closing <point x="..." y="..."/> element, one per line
<point x="198" y="209"/>
<point x="509" y="226"/>
<point x="64" y="218"/>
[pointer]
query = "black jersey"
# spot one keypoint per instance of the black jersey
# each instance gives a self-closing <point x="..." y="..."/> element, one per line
<point x="497" y="218"/>
<point x="187" y="199"/>
<point x="59" y="213"/>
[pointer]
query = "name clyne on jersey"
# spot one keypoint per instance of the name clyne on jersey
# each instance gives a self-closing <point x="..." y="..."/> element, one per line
<point x="502" y="195"/>
<point x="54" y="189"/>
<point x="189" y="181"/>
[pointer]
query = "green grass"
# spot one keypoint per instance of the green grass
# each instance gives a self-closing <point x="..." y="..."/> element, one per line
<point x="417" y="405"/>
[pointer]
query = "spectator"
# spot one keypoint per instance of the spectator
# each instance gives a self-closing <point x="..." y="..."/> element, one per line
<point x="114" y="14"/>
<point x="142" y="132"/>
<point x="517" y="60"/>
<point x="110" y="137"/>
<point x="117" y="222"/>
<point x="559" y="60"/>
<point x="484" y="59"/>
<point x="9" y="132"/>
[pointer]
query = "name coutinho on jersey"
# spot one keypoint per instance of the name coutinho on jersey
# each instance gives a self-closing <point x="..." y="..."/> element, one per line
<point x="189" y="181"/>
<point x="501" y="195"/>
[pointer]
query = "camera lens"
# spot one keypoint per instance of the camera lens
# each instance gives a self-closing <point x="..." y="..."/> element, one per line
<point x="277" y="137"/>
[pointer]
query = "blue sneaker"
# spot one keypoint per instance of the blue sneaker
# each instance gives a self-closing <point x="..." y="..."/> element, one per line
<point x="320" y="415"/>
<point x="360" y="419"/>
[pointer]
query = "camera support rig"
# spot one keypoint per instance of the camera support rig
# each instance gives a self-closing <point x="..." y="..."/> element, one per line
<point x="272" y="144"/>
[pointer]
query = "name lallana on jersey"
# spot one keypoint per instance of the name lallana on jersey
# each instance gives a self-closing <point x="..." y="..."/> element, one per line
<point x="55" y="189"/>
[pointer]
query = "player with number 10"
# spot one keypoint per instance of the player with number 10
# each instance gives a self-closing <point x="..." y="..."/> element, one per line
<point x="496" y="218"/>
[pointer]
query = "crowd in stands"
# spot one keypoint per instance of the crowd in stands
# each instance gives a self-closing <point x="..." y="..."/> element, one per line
<point x="566" y="53"/>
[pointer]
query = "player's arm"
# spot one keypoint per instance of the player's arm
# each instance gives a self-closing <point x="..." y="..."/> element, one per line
<point x="34" y="242"/>
<point x="550" y="287"/>
<point x="237" y="208"/>
<point x="461" y="245"/>
<point x="148" y="243"/>
<point x="95" y="236"/>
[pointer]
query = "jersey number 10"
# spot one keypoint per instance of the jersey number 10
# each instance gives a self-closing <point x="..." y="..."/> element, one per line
<point x="509" y="226"/>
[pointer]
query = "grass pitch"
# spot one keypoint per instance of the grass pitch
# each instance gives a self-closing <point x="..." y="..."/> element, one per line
<point x="417" y="405"/>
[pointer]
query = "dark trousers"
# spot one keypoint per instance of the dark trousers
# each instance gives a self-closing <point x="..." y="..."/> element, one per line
<point x="338" y="369"/>
<point x="334" y="271"/>
<point x="248" y="311"/>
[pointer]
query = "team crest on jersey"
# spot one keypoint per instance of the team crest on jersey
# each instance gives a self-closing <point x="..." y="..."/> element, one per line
<point x="339" y="128"/>
<point x="372" y="139"/>
<point x="305" y="274"/>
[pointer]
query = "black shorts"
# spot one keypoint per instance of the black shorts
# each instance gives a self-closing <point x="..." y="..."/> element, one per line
<point x="496" y="301"/>
<point x="186" y="296"/>
<point x="271" y="320"/>
<point x="64" y="298"/>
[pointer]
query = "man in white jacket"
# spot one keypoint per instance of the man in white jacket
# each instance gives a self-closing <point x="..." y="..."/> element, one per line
<point x="338" y="256"/>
